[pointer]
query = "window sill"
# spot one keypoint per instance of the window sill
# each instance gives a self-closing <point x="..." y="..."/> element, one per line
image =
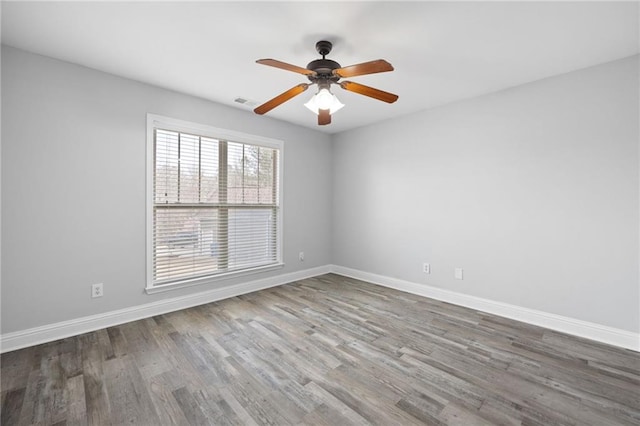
<point x="211" y="279"/>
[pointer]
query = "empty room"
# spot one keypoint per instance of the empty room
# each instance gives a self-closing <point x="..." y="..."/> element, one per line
<point x="320" y="213"/>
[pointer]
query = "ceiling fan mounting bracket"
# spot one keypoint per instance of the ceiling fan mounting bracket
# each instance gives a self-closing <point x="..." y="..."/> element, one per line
<point x="324" y="47"/>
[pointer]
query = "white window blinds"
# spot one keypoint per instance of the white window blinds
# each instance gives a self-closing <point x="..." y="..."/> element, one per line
<point x="215" y="207"/>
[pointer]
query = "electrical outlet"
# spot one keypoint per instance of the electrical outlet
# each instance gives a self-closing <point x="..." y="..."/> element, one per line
<point x="457" y="273"/>
<point x="301" y="256"/>
<point x="426" y="268"/>
<point x="97" y="290"/>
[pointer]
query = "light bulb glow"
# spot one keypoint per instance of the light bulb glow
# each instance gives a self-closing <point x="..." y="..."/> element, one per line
<point x="324" y="99"/>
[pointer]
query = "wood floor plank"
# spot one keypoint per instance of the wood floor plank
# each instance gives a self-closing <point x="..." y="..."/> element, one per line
<point x="327" y="350"/>
<point x="332" y="409"/>
<point x="238" y="410"/>
<point x="76" y="409"/>
<point x="190" y="408"/>
<point x="11" y="406"/>
<point x="97" y="399"/>
<point x="16" y="367"/>
<point x="164" y="403"/>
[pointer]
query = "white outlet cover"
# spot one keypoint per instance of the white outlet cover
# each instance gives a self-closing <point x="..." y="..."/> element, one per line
<point x="457" y="273"/>
<point x="426" y="268"/>
<point x="97" y="290"/>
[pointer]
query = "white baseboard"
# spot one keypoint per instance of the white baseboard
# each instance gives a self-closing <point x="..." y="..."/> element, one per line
<point x="597" y="332"/>
<point x="61" y="330"/>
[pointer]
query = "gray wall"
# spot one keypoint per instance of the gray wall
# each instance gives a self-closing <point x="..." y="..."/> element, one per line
<point x="73" y="187"/>
<point x="533" y="191"/>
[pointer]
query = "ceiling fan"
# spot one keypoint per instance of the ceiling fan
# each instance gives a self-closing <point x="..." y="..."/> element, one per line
<point x="325" y="72"/>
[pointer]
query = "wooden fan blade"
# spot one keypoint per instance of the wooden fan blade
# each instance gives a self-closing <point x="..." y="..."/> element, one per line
<point x="324" y="117"/>
<point x="285" y="66"/>
<point x="281" y="98"/>
<point x="370" y="67"/>
<point x="369" y="91"/>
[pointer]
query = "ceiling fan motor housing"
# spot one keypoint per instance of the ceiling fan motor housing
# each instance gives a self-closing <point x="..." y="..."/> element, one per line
<point x="323" y="67"/>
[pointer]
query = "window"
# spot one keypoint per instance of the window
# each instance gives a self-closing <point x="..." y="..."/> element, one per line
<point x="213" y="203"/>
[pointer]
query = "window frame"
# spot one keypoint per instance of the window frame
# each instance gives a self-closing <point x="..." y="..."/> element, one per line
<point x="155" y="121"/>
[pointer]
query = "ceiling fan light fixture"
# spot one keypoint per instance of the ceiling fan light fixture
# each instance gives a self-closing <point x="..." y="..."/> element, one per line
<point x="324" y="99"/>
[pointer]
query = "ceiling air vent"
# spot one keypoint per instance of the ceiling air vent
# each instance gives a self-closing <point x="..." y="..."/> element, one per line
<point x="246" y="102"/>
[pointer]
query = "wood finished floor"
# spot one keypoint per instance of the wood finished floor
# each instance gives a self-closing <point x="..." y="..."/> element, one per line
<point x="322" y="351"/>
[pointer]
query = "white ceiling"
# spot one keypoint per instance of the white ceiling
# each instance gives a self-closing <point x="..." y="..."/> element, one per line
<point x="441" y="51"/>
